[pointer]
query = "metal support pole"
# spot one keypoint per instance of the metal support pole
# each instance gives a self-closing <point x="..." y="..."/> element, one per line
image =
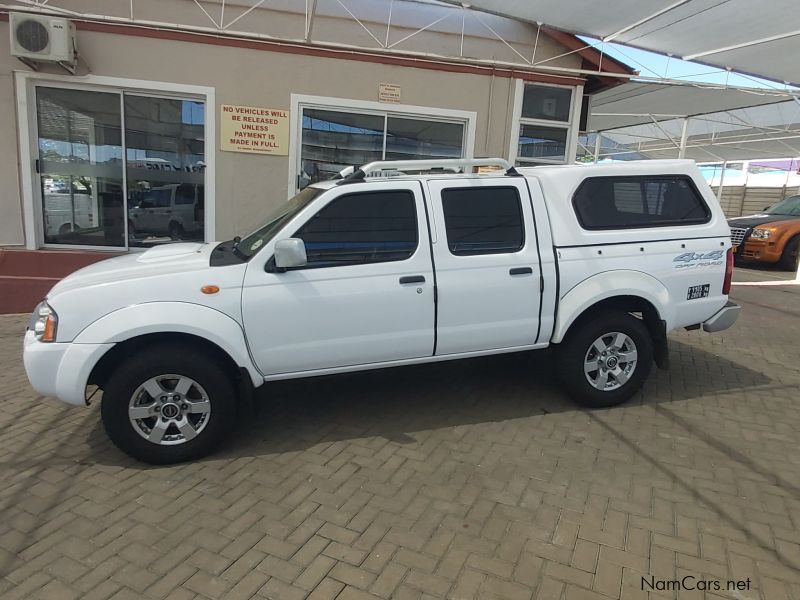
<point x="684" y="131"/>
<point x="721" y="181"/>
<point x="597" y="147"/>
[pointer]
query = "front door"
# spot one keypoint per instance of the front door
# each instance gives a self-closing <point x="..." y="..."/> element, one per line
<point x="366" y="294"/>
<point x="80" y="166"/>
<point x="487" y="265"/>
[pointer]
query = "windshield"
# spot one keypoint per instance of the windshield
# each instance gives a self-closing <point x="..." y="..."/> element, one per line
<point x="282" y="214"/>
<point x="790" y="206"/>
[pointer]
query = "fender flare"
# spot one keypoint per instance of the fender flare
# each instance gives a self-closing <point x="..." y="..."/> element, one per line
<point x="608" y="285"/>
<point x="178" y="317"/>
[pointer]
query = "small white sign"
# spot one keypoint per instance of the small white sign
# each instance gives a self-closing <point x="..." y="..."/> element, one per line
<point x="389" y="92"/>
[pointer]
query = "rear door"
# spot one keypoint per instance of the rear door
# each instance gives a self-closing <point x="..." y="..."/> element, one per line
<point x="487" y="264"/>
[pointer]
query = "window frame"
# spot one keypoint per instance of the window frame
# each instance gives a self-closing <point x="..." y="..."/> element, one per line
<point x="571" y="125"/>
<point x="300" y="102"/>
<point x="333" y="201"/>
<point x="25" y="84"/>
<point x="641" y="178"/>
<point x="523" y="240"/>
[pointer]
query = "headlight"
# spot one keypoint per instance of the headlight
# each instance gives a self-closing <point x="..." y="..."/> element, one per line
<point x="44" y="322"/>
<point x="760" y="234"/>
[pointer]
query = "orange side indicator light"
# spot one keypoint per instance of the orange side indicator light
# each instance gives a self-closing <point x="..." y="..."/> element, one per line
<point x="209" y="289"/>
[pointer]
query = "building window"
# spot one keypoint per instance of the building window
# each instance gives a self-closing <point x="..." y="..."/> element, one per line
<point x="543" y="124"/>
<point x="119" y="169"/>
<point x="335" y="138"/>
<point x="483" y="220"/>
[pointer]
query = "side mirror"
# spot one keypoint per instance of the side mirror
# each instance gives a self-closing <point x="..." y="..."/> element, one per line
<point x="290" y="253"/>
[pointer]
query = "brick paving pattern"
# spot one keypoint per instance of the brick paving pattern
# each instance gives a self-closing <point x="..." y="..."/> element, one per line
<point x="475" y="479"/>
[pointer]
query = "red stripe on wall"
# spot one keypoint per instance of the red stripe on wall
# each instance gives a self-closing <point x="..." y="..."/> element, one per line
<point x="317" y="50"/>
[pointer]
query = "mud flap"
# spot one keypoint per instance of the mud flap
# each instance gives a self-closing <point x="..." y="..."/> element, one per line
<point x="660" y="345"/>
<point x="248" y="407"/>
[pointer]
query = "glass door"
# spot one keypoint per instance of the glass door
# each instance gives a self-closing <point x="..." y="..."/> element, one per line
<point x="118" y="169"/>
<point x="165" y="161"/>
<point x="80" y="167"/>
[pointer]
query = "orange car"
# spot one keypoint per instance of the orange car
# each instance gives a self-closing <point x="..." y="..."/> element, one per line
<point x="772" y="236"/>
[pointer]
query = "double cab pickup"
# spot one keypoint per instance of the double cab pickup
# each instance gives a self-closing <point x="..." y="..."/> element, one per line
<point x="393" y="263"/>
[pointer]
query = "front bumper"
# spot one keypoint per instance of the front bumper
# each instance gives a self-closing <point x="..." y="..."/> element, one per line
<point x="60" y="369"/>
<point x="758" y="250"/>
<point x="723" y="319"/>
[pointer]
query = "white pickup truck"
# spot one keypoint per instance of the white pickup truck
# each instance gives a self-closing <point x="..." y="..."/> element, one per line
<point x="380" y="268"/>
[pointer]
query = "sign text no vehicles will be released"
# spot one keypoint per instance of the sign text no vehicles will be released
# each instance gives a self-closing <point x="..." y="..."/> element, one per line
<point x="252" y="129"/>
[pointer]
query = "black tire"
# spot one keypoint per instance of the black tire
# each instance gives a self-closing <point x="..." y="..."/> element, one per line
<point x="157" y="361"/>
<point x="575" y="349"/>
<point x="176" y="231"/>
<point x="789" y="257"/>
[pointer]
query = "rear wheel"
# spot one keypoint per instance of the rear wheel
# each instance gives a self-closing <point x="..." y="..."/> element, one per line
<point x="789" y="257"/>
<point x="168" y="404"/>
<point x="176" y="231"/>
<point x="605" y="360"/>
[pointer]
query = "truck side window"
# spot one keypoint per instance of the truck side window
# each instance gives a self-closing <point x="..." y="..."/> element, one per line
<point x="639" y="201"/>
<point x="362" y="228"/>
<point x="483" y="220"/>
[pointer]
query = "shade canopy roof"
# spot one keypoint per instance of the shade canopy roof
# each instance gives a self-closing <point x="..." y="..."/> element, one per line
<point x="635" y="103"/>
<point x="648" y="120"/>
<point x="760" y="38"/>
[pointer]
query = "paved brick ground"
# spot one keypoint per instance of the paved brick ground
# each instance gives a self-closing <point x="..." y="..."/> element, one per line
<point x="466" y="480"/>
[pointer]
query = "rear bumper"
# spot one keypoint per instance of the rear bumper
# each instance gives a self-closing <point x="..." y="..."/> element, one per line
<point x="723" y="319"/>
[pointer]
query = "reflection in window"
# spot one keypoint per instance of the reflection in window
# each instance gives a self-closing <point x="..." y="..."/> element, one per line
<point x="165" y="161"/>
<point x="362" y="228"/>
<point x="409" y="139"/>
<point x="638" y="201"/>
<point x="333" y="140"/>
<point x="483" y="220"/>
<point x="537" y="141"/>
<point x="546" y="102"/>
<point x="80" y="161"/>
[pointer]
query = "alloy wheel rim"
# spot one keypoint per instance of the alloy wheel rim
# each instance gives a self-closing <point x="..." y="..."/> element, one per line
<point x="169" y="409"/>
<point x="610" y="361"/>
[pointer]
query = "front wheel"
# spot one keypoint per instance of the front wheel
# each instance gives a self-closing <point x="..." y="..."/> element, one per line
<point x="605" y="360"/>
<point x="168" y="404"/>
<point x="789" y="257"/>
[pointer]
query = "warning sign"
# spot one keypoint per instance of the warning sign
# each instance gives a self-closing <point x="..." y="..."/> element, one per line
<point x="388" y="92"/>
<point x="256" y="130"/>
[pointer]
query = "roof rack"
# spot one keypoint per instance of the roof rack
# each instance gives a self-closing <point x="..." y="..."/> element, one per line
<point x="351" y="174"/>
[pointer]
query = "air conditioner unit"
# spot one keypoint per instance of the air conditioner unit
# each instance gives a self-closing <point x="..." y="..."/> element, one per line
<point x="41" y="39"/>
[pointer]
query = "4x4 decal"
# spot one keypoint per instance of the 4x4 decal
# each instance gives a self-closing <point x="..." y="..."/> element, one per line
<point x="698" y="259"/>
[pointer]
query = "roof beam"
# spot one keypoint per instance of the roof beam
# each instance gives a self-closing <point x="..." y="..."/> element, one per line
<point x="627" y="28"/>
<point x="765" y="40"/>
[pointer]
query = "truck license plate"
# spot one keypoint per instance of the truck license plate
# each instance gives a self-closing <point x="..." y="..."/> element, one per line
<point x="697" y="291"/>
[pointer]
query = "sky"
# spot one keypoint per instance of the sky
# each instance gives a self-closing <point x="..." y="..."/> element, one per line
<point x="650" y="64"/>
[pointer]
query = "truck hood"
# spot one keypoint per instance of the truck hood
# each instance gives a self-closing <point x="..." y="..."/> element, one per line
<point x="161" y="260"/>
<point x="760" y="219"/>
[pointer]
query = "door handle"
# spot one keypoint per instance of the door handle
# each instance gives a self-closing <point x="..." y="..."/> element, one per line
<point x="521" y="271"/>
<point x="412" y="279"/>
